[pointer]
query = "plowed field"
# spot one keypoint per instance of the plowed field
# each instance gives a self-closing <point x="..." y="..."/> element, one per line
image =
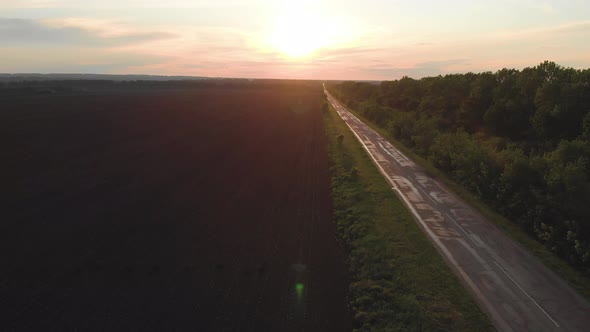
<point x="202" y="209"/>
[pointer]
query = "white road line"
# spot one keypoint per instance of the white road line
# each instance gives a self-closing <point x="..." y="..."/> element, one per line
<point x="431" y="199"/>
<point x="388" y="152"/>
<point x="527" y="294"/>
<point x="463" y="230"/>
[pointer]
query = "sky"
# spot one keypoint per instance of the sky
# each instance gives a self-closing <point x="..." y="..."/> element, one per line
<point x="331" y="39"/>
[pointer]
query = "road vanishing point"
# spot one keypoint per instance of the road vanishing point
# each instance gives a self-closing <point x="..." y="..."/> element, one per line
<point x="514" y="288"/>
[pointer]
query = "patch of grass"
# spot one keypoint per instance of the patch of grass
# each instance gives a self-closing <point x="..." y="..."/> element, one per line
<point x="399" y="281"/>
<point x="575" y="278"/>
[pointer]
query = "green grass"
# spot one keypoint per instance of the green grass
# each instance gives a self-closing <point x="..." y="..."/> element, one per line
<point x="399" y="281"/>
<point x="575" y="278"/>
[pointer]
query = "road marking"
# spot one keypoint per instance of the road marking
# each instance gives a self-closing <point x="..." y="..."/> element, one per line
<point x="425" y="193"/>
<point x="527" y="294"/>
<point x="402" y="160"/>
<point x="472" y="251"/>
<point x="463" y="230"/>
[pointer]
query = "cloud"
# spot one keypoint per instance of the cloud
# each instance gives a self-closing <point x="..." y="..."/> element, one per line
<point x="418" y="70"/>
<point x="73" y="60"/>
<point x="348" y="51"/>
<point x="33" y="4"/>
<point x="544" y="32"/>
<point x="17" y="32"/>
<point x="129" y="3"/>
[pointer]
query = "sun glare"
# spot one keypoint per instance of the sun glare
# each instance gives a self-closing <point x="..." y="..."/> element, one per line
<point x="298" y="38"/>
<point x="299" y="32"/>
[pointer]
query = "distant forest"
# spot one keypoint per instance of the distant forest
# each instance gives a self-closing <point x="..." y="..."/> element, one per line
<point x="519" y="140"/>
<point x="46" y="85"/>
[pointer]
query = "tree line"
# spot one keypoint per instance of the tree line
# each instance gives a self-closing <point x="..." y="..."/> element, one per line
<point x="517" y="139"/>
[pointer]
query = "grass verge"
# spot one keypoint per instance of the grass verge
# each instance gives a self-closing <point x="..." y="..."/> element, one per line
<point x="575" y="278"/>
<point x="399" y="281"/>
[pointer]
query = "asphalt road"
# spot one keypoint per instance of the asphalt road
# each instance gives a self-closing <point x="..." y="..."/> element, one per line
<point x="516" y="290"/>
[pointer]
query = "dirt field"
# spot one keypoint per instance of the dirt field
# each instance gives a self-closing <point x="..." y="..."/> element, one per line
<point x="202" y="209"/>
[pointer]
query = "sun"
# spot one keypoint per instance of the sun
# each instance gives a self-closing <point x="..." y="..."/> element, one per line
<point x="298" y="38"/>
<point x="299" y="33"/>
<point x="301" y="30"/>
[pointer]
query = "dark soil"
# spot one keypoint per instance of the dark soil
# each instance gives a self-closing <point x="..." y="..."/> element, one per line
<point x="188" y="210"/>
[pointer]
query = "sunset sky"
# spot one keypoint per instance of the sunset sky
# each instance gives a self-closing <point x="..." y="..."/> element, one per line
<point x="331" y="39"/>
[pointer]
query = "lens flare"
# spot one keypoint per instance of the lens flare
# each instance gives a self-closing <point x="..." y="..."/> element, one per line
<point x="299" y="288"/>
